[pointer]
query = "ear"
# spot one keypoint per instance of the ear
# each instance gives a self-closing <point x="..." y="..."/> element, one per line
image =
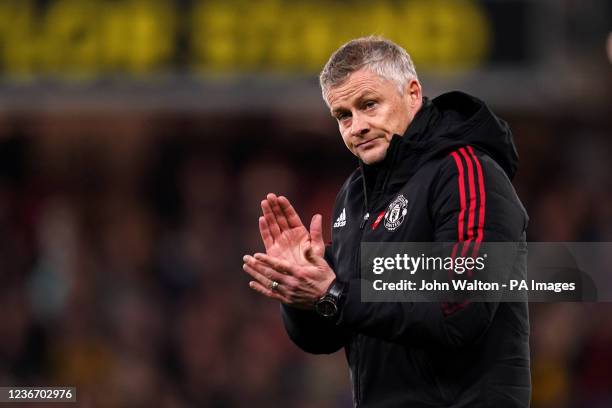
<point x="414" y="93"/>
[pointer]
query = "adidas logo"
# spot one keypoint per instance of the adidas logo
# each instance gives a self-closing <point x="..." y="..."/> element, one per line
<point x="341" y="221"/>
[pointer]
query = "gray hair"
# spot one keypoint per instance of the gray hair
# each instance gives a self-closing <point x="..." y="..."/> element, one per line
<point x="377" y="54"/>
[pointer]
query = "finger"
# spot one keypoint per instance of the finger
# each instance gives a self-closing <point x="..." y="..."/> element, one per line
<point x="258" y="277"/>
<point x="266" y="235"/>
<point x="293" y="219"/>
<point x="316" y="234"/>
<point x="258" y="287"/>
<point x="281" y="219"/>
<point x="278" y="264"/>
<point x="261" y="268"/>
<point x="270" y="219"/>
<point x="265" y="282"/>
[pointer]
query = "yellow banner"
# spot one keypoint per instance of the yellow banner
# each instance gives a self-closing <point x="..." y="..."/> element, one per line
<point x="84" y="39"/>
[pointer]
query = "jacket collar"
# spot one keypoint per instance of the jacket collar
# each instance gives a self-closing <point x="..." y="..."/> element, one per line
<point x="407" y="150"/>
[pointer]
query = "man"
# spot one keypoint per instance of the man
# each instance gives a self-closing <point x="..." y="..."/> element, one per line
<point x="430" y="170"/>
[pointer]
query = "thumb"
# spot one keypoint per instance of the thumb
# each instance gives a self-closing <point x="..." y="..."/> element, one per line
<point x="316" y="232"/>
<point x="310" y="251"/>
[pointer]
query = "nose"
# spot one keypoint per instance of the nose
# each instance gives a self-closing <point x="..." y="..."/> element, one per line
<point x="359" y="125"/>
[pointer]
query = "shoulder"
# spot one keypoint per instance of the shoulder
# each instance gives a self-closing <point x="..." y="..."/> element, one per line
<point x="472" y="166"/>
<point x="471" y="174"/>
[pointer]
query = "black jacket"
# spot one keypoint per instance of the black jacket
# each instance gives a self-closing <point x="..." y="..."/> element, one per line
<point x="454" y="167"/>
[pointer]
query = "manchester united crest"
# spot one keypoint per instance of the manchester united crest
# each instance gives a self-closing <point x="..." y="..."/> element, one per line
<point x="396" y="213"/>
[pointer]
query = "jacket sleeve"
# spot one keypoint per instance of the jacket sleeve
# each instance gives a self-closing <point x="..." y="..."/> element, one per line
<point x="311" y="332"/>
<point x="471" y="200"/>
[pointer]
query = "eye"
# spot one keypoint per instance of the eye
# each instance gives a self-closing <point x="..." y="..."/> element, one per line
<point x="369" y="104"/>
<point x="342" y="116"/>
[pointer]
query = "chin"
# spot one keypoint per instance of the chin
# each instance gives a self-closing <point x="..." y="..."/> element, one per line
<point x="372" y="157"/>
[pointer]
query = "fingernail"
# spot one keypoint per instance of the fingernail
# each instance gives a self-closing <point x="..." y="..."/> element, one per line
<point x="245" y="258"/>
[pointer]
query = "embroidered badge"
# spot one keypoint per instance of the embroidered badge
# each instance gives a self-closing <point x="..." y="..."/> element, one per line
<point x="396" y="213"/>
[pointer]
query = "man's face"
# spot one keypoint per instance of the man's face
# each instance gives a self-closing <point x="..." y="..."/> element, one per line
<point x="370" y="110"/>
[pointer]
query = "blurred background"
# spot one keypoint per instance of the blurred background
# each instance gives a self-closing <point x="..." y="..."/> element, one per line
<point x="138" y="137"/>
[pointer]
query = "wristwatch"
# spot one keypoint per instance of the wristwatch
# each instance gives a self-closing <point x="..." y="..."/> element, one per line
<point x="328" y="305"/>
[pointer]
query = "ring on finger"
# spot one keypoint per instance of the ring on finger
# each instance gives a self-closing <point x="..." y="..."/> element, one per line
<point x="274" y="285"/>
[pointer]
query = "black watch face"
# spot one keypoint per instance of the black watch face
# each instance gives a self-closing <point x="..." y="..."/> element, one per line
<point x="326" y="308"/>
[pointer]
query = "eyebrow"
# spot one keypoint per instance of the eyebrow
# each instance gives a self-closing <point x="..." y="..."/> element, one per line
<point x="336" y="111"/>
<point x="364" y="95"/>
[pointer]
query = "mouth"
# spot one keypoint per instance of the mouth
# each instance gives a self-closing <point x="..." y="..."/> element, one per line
<point x="366" y="144"/>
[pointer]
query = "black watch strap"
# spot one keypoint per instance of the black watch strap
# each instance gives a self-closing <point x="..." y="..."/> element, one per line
<point x="329" y="304"/>
<point x="335" y="290"/>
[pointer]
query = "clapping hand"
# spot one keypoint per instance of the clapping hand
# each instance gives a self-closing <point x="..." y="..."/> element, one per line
<point x="293" y="269"/>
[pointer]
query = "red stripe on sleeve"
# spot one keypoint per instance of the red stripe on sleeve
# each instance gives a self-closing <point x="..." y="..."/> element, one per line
<point x="461" y="195"/>
<point x="483" y="200"/>
<point x="474" y="232"/>
<point x="450" y="308"/>
<point x="472" y="211"/>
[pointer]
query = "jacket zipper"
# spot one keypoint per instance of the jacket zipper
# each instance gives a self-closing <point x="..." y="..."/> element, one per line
<point x="358" y="266"/>
<point x="366" y="217"/>
<point x="363" y="222"/>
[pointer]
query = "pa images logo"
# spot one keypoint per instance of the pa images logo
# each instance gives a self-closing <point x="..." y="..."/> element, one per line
<point x="396" y="213"/>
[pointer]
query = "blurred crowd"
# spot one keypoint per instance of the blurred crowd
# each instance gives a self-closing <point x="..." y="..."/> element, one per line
<point x="121" y="243"/>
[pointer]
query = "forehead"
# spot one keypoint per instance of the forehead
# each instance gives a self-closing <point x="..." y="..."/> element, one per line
<point x="358" y="84"/>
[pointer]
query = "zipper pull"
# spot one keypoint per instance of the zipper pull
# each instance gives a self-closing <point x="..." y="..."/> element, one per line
<point x="363" y="222"/>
